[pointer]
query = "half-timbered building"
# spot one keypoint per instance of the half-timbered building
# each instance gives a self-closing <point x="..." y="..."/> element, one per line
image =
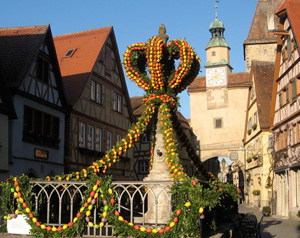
<point x="143" y="148"/>
<point x="30" y="69"/>
<point x="99" y="112"/>
<point x="285" y="110"/>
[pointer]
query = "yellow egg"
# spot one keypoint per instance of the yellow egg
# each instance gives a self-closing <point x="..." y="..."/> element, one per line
<point x="120" y="218"/>
<point x="130" y="224"/>
<point x="27" y="209"/>
<point x="81" y="209"/>
<point x="34" y="220"/>
<point x="172" y="224"/>
<point x="17" y="211"/>
<point x="75" y="219"/>
<point x="154" y="231"/>
<point x="65" y="227"/>
<point x="101" y="224"/>
<point x="21" y="200"/>
<point x="104" y="214"/>
<point x="88" y="213"/>
<point x="201" y="210"/>
<point x="89" y="200"/>
<point x="90" y="224"/>
<point x="54" y="228"/>
<point x="110" y="191"/>
<point x="142" y="229"/>
<point x="43" y="226"/>
<point x="187" y="204"/>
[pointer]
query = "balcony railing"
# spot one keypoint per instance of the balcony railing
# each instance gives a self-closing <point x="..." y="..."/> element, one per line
<point x="57" y="203"/>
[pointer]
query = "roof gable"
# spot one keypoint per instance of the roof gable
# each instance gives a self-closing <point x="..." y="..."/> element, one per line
<point x="258" y="32"/>
<point x="87" y="46"/>
<point x="19" y="47"/>
<point x="76" y="69"/>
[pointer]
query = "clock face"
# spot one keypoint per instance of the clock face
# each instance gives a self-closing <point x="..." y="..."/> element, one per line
<point x="216" y="77"/>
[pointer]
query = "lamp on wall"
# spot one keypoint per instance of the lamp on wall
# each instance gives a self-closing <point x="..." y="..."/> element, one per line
<point x="198" y="151"/>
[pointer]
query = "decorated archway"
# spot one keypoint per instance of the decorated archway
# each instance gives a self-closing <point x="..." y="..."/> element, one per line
<point x="152" y="67"/>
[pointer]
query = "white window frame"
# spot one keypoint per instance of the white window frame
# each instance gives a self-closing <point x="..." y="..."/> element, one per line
<point x="96" y="92"/>
<point x="93" y="91"/>
<point x="90" y="137"/>
<point x="117" y="104"/>
<point x="109" y="137"/>
<point x="99" y="93"/>
<point x="81" y="134"/>
<point x="98" y="137"/>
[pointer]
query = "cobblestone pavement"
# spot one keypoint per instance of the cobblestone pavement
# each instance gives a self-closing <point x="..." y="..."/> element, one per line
<point x="274" y="226"/>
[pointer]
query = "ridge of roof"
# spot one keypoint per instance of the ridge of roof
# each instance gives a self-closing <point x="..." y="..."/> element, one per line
<point x="42" y="27"/>
<point x="85" y="32"/>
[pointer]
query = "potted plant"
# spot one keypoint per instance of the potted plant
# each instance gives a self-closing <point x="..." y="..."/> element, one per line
<point x="266" y="210"/>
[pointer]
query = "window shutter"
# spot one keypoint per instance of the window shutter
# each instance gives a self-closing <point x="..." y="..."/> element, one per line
<point x="289" y="47"/>
<point x="280" y="99"/>
<point x="293" y="82"/>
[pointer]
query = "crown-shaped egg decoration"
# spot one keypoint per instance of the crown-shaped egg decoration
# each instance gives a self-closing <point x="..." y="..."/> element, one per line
<point x="151" y="65"/>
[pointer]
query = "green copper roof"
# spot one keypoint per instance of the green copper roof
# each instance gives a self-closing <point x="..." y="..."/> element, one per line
<point x="216" y="24"/>
<point x="222" y="62"/>
<point x="217" y="41"/>
<point x="217" y="34"/>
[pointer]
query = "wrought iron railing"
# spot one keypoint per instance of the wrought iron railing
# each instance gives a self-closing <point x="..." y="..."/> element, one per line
<point x="56" y="203"/>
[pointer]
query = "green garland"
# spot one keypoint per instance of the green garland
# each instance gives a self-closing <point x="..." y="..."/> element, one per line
<point x="161" y="90"/>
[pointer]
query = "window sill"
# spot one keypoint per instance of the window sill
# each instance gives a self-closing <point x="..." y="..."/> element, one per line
<point x="83" y="150"/>
<point x="40" y="142"/>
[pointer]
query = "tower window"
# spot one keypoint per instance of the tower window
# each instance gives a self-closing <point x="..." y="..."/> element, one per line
<point x="213" y="53"/>
<point x="218" y="123"/>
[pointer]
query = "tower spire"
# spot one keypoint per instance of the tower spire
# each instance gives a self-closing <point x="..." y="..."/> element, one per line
<point x="216" y="6"/>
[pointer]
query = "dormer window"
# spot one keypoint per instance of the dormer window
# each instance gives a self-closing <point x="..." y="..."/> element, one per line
<point x="70" y="53"/>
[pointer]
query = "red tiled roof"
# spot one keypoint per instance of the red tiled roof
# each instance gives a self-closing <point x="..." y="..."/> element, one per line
<point x="18" y="47"/>
<point x="293" y="8"/>
<point x="241" y="79"/>
<point x="258" y="32"/>
<point x="263" y="73"/>
<point x="75" y="70"/>
<point x="235" y="80"/>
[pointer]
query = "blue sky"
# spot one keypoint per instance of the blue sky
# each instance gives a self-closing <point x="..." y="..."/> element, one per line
<point x="137" y="21"/>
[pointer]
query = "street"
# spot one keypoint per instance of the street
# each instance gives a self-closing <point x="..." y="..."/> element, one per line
<point x="274" y="226"/>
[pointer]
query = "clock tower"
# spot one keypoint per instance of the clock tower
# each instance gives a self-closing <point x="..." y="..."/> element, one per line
<point x="218" y="58"/>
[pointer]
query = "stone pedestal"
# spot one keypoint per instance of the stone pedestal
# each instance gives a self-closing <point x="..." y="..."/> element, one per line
<point x="159" y="205"/>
